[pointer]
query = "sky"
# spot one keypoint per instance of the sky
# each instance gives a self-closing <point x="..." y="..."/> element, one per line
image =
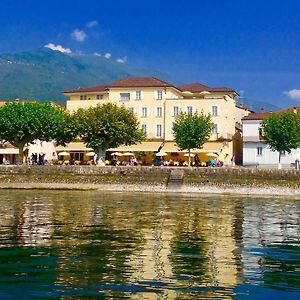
<point x="252" y="46"/>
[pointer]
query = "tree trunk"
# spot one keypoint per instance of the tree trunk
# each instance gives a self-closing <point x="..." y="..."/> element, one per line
<point x="279" y="161"/>
<point x="100" y="160"/>
<point x="21" y="154"/>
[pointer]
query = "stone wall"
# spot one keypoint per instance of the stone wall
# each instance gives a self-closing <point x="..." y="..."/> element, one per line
<point x="147" y="175"/>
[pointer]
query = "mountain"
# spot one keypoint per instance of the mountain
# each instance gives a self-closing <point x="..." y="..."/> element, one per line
<point x="43" y="74"/>
<point x="256" y="105"/>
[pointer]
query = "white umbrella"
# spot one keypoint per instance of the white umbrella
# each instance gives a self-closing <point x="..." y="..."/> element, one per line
<point x="191" y="154"/>
<point x="63" y="153"/>
<point x="161" y="153"/>
<point x="128" y="154"/>
<point x="212" y="154"/>
<point x="117" y="153"/>
<point x="91" y="153"/>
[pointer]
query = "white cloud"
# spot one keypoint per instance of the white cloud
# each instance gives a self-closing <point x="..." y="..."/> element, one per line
<point x="58" y="48"/>
<point x="122" y="60"/>
<point x="293" y="94"/>
<point x="79" y="35"/>
<point x="96" y="54"/>
<point x="91" y="24"/>
<point x="107" y="55"/>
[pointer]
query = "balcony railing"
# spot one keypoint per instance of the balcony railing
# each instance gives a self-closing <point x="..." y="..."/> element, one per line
<point x="221" y="136"/>
<point x="252" y="138"/>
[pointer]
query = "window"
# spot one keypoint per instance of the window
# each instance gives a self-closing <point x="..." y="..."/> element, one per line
<point x="175" y="111"/>
<point x="214" y="111"/>
<point x="259" y="151"/>
<point x="138" y="95"/>
<point x="144" y="112"/>
<point x="159" y="94"/>
<point x="82" y="97"/>
<point x="99" y="97"/>
<point x="124" y="96"/>
<point x="215" y="129"/>
<point x="131" y="109"/>
<point x="144" y="128"/>
<point x="158" y="130"/>
<point x="189" y="110"/>
<point x="159" y="111"/>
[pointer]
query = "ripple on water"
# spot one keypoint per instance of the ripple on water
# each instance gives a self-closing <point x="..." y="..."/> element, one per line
<point x="147" y="246"/>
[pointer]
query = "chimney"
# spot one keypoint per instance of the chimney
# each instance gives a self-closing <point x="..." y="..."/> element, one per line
<point x="262" y="110"/>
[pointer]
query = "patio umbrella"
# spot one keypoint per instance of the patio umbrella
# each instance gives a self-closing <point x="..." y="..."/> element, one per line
<point x="191" y="154"/>
<point x="117" y="153"/>
<point x="161" y="153"/>
<point x="91" y="153"/>
<point x="63" y="153"/>
<point x="128" y="154"/>
<point x="211" y="154"/>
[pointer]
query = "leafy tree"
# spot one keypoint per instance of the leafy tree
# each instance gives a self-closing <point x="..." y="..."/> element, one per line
<point x="108" y="126"/>
<point x="281" y="131"/>
<point x="23" y="122"/>
<point x="192" y="131"/>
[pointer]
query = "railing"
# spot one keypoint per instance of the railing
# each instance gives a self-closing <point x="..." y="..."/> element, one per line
<point x="252" y="138"/>
<point x="221" y="136"/>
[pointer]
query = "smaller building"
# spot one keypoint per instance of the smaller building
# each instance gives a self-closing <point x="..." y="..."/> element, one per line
<point x="255" y="151"/>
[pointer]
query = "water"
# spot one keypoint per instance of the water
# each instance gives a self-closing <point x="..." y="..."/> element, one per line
<point x="92" y="245"/>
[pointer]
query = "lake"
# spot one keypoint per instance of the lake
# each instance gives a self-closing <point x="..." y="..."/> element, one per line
<point x="88" y="245"/>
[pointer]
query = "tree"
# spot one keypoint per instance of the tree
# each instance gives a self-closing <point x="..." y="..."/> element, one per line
<point x="192" y="131"/>
<point x="107" y="126"/>
<point x="281" y="131"/>
<point x="23" y="122"/>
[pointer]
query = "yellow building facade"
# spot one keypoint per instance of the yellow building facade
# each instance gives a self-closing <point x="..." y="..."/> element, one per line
<point x="156" y="104"/>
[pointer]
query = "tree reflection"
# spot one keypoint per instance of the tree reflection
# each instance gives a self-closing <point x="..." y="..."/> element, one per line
<point x="188" y="255"/>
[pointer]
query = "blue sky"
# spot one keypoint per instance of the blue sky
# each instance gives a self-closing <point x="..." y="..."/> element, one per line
<point x="250" y="46"/>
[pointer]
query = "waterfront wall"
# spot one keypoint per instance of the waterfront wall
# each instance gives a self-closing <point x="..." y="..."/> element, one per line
<point x="147" y="175"/>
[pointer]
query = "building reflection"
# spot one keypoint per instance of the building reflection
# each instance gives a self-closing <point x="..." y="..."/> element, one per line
<point x="166" y="246"/>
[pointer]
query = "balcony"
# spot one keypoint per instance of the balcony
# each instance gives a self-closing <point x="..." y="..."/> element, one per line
<point x="225" y="136"/>
<point x="253" y="139"/>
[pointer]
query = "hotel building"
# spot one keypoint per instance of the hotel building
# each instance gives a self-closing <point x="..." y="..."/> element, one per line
<point x="156" y="104"/>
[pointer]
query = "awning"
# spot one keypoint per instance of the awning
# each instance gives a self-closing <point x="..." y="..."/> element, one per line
<point x="144" y="146"/>
<point x="207" y="147"/>
<point x="9" y="151"/>
<point x="74" y="146"/>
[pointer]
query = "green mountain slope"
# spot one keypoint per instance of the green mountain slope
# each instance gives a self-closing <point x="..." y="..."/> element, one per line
<point x="43" y="74"/>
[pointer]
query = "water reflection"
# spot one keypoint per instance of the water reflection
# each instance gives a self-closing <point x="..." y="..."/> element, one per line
<point x="153" y="246"/>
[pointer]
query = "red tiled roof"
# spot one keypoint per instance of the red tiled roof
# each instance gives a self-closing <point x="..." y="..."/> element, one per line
<point x="261" y="116"/>
<point x="194" y="88"/>
<point x="2" y="103"/>
<point x="297" y="108"/>
<point x="140" y="82"/>
<point x="126" y="82"/>
<point x="257" y="116"/>
<point x="198" y="88"/>
<point x="97" y="88"/>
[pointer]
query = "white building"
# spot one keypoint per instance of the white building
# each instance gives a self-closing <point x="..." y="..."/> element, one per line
<point x="255" y="151"/>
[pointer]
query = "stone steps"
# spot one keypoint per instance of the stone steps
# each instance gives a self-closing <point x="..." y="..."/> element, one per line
<point x="175" y="179"/>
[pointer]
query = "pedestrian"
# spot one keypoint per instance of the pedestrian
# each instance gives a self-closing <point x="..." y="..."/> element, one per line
<point x="197" y="160"/>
